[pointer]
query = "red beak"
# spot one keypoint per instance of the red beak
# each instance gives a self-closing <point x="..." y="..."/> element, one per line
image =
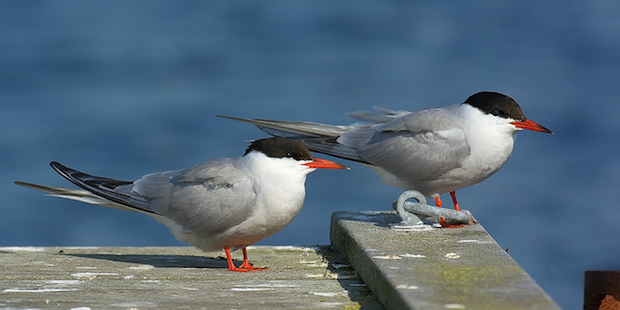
<point x="531" y="125"/>
<point x="325" y="164"/>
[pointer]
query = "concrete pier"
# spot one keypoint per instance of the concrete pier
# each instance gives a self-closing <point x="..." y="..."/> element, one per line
<point x="438" y="268"/>
<point x="177" y="278"/>
<point x="368" y="266"/>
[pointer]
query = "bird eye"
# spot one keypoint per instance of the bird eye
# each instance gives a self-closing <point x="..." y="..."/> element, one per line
<point x="495" y="112"/>
<point x="289" y="154"/>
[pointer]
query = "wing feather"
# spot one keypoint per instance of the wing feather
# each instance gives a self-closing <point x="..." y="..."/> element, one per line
<point x="207" y="198"/>
<point x="411" y="146"/>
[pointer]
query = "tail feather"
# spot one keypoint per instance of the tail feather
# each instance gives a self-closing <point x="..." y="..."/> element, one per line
<point x="332" y="147"/>
<point x="98" y="190"/>
<point x="316" y="137"/>
<point x="114" y="190"/>
<point x="74" y="194"/>
<point x="295" y="129"/>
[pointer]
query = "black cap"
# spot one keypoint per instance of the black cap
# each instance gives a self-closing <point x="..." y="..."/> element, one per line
<point x="496" y="104"/>
<point x="280" y="147"/>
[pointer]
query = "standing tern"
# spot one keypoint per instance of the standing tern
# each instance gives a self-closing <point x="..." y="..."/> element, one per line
<point x="433" y="151"/>
<point x="227" y="203"/>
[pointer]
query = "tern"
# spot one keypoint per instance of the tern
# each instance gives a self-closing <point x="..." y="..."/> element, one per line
<point x="433" y="151"/>
<point x="227" y="203"/>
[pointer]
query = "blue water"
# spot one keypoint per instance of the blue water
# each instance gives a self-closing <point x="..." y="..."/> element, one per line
<point x="120" y="89"/>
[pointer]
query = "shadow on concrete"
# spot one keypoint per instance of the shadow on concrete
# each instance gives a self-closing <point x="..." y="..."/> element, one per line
<point x="164" y="261"/>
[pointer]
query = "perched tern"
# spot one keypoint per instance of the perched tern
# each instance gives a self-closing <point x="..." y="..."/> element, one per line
<point x="433" y="151"/>
<point x="227" y="203"/>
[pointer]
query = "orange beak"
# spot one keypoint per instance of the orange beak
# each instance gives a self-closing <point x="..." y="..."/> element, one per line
<point x="325" y="164"/>
<point x="531" y="125"/>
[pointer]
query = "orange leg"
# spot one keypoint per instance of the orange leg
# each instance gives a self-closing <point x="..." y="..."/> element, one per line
<point x="456" y="204"/>
<point x="442" y="221"/>
<point x="438" y="202"/>
<point x="247" y="265"/>
<point x="231" y="265"/>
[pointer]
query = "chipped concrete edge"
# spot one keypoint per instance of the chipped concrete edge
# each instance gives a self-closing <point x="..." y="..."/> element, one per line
<point x="364" y="266"/>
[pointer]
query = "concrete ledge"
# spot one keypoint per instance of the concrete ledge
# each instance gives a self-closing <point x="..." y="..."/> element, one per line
<point x="177" y="278"/>
<point x="442" y="268"/>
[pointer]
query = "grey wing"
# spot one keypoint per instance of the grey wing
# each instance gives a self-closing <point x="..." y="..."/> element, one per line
<point x="412" y="146"/>
<point x="434" y="119"/>
<point x="404" y="143"/>
<point x="381" y="116"/>
<point x="207" y="198"/>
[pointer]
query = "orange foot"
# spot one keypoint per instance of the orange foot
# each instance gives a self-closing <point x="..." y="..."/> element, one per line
<point x="443" y="224"/>
<point x="233" y="268"/>
<point x="442" y="221"/>
<point x="249" y="267"/>
<point x="244" y="267"/>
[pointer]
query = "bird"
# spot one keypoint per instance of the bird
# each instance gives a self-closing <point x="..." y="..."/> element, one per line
<point x="434" y="150"/>
<point x="227" y="203"/>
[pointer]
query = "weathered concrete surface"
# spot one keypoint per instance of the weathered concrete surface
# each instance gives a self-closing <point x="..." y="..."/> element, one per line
<point x="441" y="268"/>
<point x="177" y="278"/>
